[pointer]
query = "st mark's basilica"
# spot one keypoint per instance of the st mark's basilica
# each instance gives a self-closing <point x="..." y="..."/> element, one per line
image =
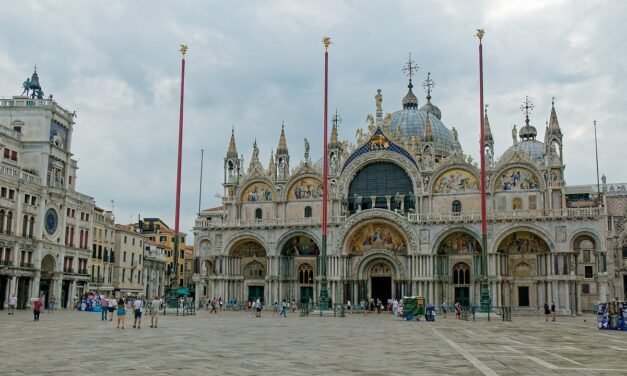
<point x="404" y="219"/>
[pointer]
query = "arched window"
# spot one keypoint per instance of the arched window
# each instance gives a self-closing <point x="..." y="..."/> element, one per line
<point x="461" y="274"/>
<point x="378" y="180"/>
<point x="457" y="206"/>
<point x="1" y="220"/>
<point x="25" y="226"/>
<point x="31" y="227"/>
<point x="9" y="222"/>
<point x="305" y="274"/>
<point x="258" y="213"/>
<point x="307" y="211"/>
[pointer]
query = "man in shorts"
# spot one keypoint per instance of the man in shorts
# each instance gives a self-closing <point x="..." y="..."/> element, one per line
<point x="138" y="305"/>
<point x="12" y="304"/>
<point x="155" y="305"/>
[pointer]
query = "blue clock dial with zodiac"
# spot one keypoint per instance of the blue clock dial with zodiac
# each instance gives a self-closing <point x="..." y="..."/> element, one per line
<point x="51" y="221"/>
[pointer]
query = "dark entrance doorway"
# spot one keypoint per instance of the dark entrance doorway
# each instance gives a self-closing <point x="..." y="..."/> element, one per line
<point x="523" y="296"/>
<point x="382" y="289"/>
<point x="306" y="294"/>
<point x="44" y="290"/>
<point x="65" y="293"/>
<point x="255" y="292"/>
<point x="4" y="281"/>
<point x="462" y="296"/>
<point x="23" y="293"/>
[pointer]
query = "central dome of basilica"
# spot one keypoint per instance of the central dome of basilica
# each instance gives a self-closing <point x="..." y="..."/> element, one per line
<point x="412" y="121"/>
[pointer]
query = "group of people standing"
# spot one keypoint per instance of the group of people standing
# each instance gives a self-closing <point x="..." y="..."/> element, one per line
<point x="109" y="305"/>
<point x="549" y="311"/>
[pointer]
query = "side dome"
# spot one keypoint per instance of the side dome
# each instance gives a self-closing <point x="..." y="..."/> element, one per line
<point x="530" y="147"/>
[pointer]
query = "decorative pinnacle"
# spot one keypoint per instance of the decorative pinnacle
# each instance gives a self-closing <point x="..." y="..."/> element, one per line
<point x="410" y="69"/>
<point x="526" y="108"/>
<point x="480" y="33"/>
<point x="485" y="110"/>
<point x="336" y="119"/>
<point x="183" y="50"/>
<point x="35" y="68"/>
<point x="428" y="85"/>
<point x="326" y="41"/>
<point x="552" y="101"/>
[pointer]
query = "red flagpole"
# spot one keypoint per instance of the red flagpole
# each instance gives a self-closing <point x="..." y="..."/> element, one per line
<point x="486" y="302"/>
<point x="324" y="293"/>
<point x="178" y="170"/>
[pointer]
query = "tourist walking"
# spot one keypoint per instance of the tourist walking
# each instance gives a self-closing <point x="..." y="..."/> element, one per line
<point x="12" y="304"/>
<point x="258" y="308"/>
<point x="275" y="309"/>
<point x="443" y="308"/>
<point x="52" y="304"/>
<point x="547" y="311"/>
<point x="458" y="310"/>
<point x="104" y="308"/>
<point x="213" y="306"/>
<point x="553" y="310"/>
<point x="284" y="308"/>
<point x="113" y="305"/>
<point x="37" y="307"/>
<point x="155" y="305"/>
<point x="138" y="305"/>
<point x="220" y="303"/>
<point x="121" y="313"/>
<point x="293" y="306"/>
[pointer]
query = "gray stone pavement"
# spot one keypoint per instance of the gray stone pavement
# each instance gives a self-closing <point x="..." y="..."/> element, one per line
<point x="232" y="343"/>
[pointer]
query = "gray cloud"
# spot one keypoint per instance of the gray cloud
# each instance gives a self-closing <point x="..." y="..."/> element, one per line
<point x="253" y="65"/>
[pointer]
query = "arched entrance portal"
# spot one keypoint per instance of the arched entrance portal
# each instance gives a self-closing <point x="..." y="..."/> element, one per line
<point x="45" y="282"/>
<point x="459" y="263"/>
<point x="380" y="277"/>
<point x="241" y="275"/>
<point x="524" y="262"/>
<point x="297" y="272"/>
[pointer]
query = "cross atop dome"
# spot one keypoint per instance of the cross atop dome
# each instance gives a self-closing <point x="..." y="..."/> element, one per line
<point x="526" y="108"/>
<point x="410" y="69"/>
<point x="336" y="119"/>
<point x="428" y="85"/>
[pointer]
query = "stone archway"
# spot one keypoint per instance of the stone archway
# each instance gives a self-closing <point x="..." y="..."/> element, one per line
<point x="46" y="281"/>
<point x="456" y="247"/>
<point x="524" y="262"/>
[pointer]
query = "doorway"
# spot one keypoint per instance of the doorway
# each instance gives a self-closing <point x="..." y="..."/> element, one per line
<point x="44" y="290"/>
<point x="306" y="294"/>
<point x="523" y="296"/>
<point x="255" y="292"/>
<point x="4" y="281"/>
<point x="462" y="296"/>
<point x="381" y="288"/>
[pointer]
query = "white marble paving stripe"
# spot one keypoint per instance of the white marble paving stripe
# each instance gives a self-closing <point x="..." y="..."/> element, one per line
<point x="481" y="366"/>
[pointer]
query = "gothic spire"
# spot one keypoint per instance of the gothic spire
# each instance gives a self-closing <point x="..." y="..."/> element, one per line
<point x="271" y="167"/>
<point x="335" y="120"/>
<point x="428" y="135"/>
<point x="232" y="152"/>
<point x="282" y="147"/>
<point x="554" y="126"/>
<point x="487" y="132"/>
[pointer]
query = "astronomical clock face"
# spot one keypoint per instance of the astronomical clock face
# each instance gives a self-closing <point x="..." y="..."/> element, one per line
<point x="52" y="221"/>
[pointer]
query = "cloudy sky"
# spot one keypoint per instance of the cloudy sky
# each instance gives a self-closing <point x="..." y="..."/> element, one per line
<point x="253" y="64"/>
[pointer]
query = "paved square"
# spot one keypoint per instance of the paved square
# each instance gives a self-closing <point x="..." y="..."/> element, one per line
<point x="232" y="343"/>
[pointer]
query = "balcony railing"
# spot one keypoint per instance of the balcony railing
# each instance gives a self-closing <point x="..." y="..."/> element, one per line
<point x="82" y="271"/>
<point x="17" y="173"/>
<point x="493" y="216"/>
<point x="97" y="280"/>
<point x="6" y="262"/>
<point x="29" y="102"/>
<point x="26" y="265"/>
<point x="68" y="270"/>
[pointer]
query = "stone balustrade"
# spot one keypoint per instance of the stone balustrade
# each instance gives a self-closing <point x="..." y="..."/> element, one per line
<point x="420" y="218"/>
